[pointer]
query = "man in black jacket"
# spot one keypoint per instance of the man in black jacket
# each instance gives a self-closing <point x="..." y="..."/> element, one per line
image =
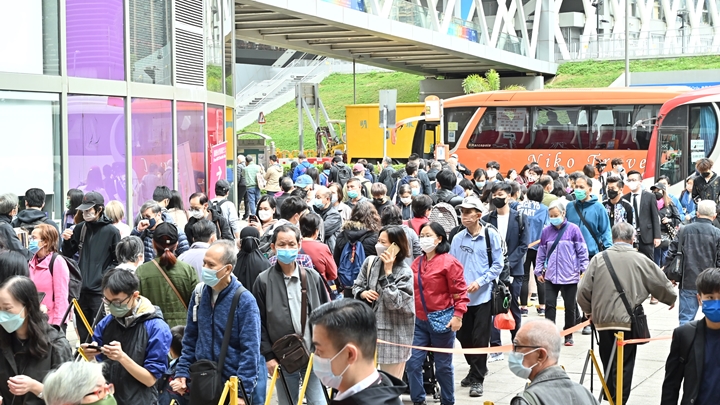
<point x="647" y="219"/>
<point x="345" y="338"/>
<point x="446" y="181"/>
<point x="695" y="349"/>
<point x="8" y="238"/>
<point x="386" y="175"/>
<point x="33" y="214"/>
<point x="200" y="209"/>
<point x="701" y="250"/>
<point x="95" y="238"/>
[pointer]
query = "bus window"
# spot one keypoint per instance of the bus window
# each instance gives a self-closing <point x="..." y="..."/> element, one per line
<point x="456" y="119"/>
<point x="559" y="128"/>
<point x="673" y="135"/>
<point x="703" y="130"/>
<point x="501" y="128"/>
<point x="646" y="115"/>
<point x="612" y="127"/>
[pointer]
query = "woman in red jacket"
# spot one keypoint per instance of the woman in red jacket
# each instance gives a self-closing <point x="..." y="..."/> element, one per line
<point x="439" y="288"/>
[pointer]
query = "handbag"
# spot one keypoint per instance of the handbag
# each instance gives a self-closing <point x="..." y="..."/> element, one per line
<point x="290" y="349"/>
<point x="674" y="270"/>
<point x="438" y="319"/>
<point x="599" y="243"/>
<point x="504" y="322"/>
<point x="171" y="284"/>
<point x="638" y="321"/>
<point x="206" y="375"/>
<point x="500" y="296"/>
<point x="367" y="279"/>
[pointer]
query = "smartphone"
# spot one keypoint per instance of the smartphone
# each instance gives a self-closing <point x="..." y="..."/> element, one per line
<point x="94" y="347"/>
<point x="253" y="218"/>
<point x="393" y="249"/>
<point x="41" y="296"/>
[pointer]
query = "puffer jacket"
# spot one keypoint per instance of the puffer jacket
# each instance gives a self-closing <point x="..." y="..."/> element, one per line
<point x="638" y="276"/>
<point x="352" y="232"/>
<point x="568" y="260"/>
<point x="701" y="250"/>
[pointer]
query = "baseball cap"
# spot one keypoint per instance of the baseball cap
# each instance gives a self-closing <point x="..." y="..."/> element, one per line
<point x="660" y="186"/>
<point x="303" y="181"/>
<point x="90" y="200"/>
<point x="222" y="187"/>
<point x="358" y="168"/>
<point x="472" y="202"/>
<point x="166" y="234"/>
<point x="338" y="152"/>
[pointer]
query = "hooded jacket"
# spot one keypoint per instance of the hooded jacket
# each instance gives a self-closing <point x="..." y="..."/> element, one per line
<point x="385" y="391"/>
<point x="98" y="253"/>
<point x="553" y="386"/>
<point x="638" y="276"/>
<point x="16" y="363"/>
<point x="31" y="216"/>
<point x="145" y="338"/>
<point x="568" y="260"/>
<point x="352" y="232"/>
<point x="9" y="239"/>
<point x="596" y="218"/>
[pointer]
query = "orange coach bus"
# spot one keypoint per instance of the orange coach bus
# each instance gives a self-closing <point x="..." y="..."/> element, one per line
<point x="563" y="127"/>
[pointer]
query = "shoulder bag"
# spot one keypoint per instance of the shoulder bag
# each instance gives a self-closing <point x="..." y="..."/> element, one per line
<point x="674" y="270"/>
<point x="290" y="350"/>
<point x="554" y="245"/>
<point x="597" y="240"/>
<point x="206" y="375"/>
<point x="438" y="319"/>
<point x="500" y="296"/>
<point x="367" y="280"/>
<point x="638" y="321"/>
<point x="171" y="284"/>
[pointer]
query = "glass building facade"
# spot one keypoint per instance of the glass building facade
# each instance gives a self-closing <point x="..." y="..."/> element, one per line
<point x="114" y="96"/>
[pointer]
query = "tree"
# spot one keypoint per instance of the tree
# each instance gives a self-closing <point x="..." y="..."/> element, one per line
<point x="491" y="82"/>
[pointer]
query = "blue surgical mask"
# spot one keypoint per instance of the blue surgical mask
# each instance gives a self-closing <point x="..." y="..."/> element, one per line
<point x="333" y="199"/>
<point x="152" y="222"/>
<point x="209" y="276"/>
<point x="515" y="364"/>
<point x="318" y="203"/>
<point x="11" y="322"/>
<point x="415" y="191"/>
<point x="33" y="246"/>
<point x="557" y="221"/>
<point x="580" y="194"/>
<point x="480" y="184"/>
<point x="323" y="371"/>
<point x="352" y="194"/>
<point x="711" y="309"/>
<point x="287" y="256"/>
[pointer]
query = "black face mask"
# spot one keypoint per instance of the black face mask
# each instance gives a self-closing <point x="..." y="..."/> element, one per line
<point x="706" y="175"/>
<point x="612" y="194"/>
<point x="499" y="202"/>
<point x="379" y="200"/>
<point x="659" y="196"/>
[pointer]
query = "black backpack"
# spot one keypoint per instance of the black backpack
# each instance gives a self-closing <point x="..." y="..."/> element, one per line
<point x="343" y="174"/>
<point x="30" y="226"/>
<point x="75" y="284"/>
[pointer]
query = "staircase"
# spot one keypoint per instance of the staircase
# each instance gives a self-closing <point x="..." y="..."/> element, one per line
<point x="269" y="95"/>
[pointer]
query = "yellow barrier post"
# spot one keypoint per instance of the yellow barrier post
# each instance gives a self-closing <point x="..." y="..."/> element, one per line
<point x="619" y="355"/>
<point x="224" y="393"/>
<point x="233" y="390"/>
<point x="602" y="378"/>
<point x="306" y="379"/>
<point x="272" y="385"/>
<point x="173" y="402"/>
<point x="82" y="353"/>
<point x="82" y="316"/>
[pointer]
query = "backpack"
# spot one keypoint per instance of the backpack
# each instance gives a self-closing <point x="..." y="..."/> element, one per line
<point x="364" y="190"/>
<point x="29" y="227"/>
<point x="343" y="174"/>
<point x="75" y="284"/>
<point x="351" y="260"/>
<point x="444" y="214"/>
<point x="217" y="207"/>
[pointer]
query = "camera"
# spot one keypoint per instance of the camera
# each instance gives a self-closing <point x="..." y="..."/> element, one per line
<point x="600" y="164"/>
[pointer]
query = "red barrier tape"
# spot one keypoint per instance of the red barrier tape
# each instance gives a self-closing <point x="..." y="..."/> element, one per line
<point x="638" y="341"/>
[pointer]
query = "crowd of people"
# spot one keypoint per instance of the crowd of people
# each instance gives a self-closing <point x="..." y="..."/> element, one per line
<point x="330" y="260"/>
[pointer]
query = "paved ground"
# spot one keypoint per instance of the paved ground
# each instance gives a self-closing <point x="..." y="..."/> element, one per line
<point x="501" y="385"/>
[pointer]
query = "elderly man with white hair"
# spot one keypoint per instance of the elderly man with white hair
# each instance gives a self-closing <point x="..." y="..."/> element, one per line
<point x="535" y="355"/>
<point x="699" y="243"/>
<point x="78" y="383"/>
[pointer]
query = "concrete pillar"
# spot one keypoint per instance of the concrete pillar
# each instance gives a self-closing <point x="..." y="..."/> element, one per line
<point x="546" y="31"/>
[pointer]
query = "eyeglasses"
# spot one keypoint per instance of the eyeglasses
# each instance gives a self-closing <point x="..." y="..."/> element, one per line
<point x="103" y="391"/>
<point x="516" y="346"/>
<point x="115" y="302"/>
<point x="467" y="249"/>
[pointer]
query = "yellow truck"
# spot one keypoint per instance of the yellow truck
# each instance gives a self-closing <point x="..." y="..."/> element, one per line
<point x="365" y="137"/>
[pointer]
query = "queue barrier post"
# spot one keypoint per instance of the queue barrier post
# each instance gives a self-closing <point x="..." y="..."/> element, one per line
<point x="270" y="390"/>
<point x="82" y="317"/>
<point x="224" y="394"/>
<point x="619" y="358"/>
<point x="233" y="386"/>
<point x="306" y="379"/>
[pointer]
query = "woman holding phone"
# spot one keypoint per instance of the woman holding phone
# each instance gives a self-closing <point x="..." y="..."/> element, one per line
<point x="385" y="283"/>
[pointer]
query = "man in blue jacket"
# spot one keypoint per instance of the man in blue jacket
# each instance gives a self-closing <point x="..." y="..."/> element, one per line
<point x="511" y="225"/>
<point x="207" y="318"/>
<point x="301" y="168"/>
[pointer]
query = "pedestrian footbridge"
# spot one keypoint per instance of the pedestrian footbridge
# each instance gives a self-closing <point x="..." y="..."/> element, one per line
<point x="402" y="35"/>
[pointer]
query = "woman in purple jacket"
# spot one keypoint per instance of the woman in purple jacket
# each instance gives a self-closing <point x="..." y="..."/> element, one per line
<point x="562" y="257"/>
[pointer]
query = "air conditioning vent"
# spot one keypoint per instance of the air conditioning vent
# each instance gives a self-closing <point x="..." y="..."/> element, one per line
<point x="190" y="58"/>
<point x="189" y="12"/>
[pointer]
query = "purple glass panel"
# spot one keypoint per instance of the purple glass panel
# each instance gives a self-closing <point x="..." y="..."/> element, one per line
<point x="191" y="149"/>
<point x="152" y="147"/>
<point x="95" y="39"/>
<point x="96" y="145"/>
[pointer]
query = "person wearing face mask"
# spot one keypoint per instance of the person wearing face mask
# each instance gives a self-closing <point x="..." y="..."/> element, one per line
<point x="669" y="221"/>
<point x="318" y="252"/>
<point x="152" y="217"/>
<point x="561" y="259"/>
<point x="618" y="208"/>
<point x="73" y="199"/>
<point x="601" y="301"/>
<point x="331" y="219"/>
<point x="707" y="183"/>
<point x="279" y="297"/>
<point x="336" y="193"/>
<point x="54" y="284"/>
<point x="250" y="262"/>
<point x="439" y="285"/>
<point x="492" y="168"/>
<point x="479" y="182"/>
<point x="686" y="201"/>
<point x="78" y="382"/>
<point x="535" y="356"/>
<point x="595" y="225"/>
<point x="8" y="238"/>
<point x="94" y="240"/>
<point x="345" y="339"/>
<point x="380" y="199"/>
<point x="537" y="218"/>
<point x="692" y="361"/>
<point x="207" y="319"/>
<point x="646" y="214"/>
<point x="133" y="340"/>
<point x="512" y="228"/>
<point x="354" y="187"/>
<point x="405" y="201"/>
<point x="31" y="347"/>
<point x="204" y="232"/>
<point x="385" y="283"/>
<point x="200" y="209"/>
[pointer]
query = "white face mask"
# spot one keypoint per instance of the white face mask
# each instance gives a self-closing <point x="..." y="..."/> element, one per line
<point x="89" y="216"/>
<point x="323" y="370"/>
<point x="264" y="215"/>
<point x="633" y="185"/>
<point x="491" y="172"/>
<point x="406" y="200"/>
<point x="197" y="214"/>
<point x="380" y="249"/>
<point x="427" y="244"/>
